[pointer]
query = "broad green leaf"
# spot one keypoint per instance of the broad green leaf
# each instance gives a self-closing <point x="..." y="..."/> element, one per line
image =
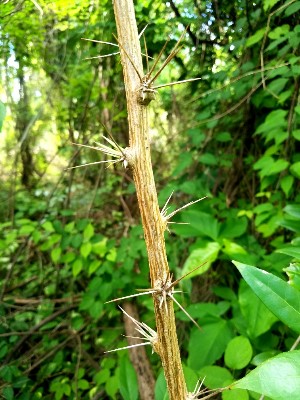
<point x="208" y="345"/>
<point x="286" y="184"/>
<point x="238" y="353"/>
<point x="274" y="120"/>
<point x="208" y="159"/>
<point x="257" y="37"/>
<point x="274" y="168"/>
<point x="291" y="224"/>
<point x="223" y="137"/>
<point x="102" y="376"/>
<point x="296" y="134"/>
<point x="277" y="86"/>
<point x="48" y="226"/>
<point x="87" y="301"/>
<point x="26" y="229"/>
<point x="233" y="227"/>
<point x="235" y="394"/>
<point x="293" y="272"/>
<point x="278" y="378"/>
<point x="282" y="30"/>
<point x="236" y="252"/>
<point x="127" y="380"/>
<point x="191" y="378"/>
<point x="100" y="247"/>
<point x="112" y="386"/>
<point x="77" y="267"/>
<point x="160" y="391"/>
<point x="8" y="393"/>
<point x="205" y="223"/>
<point x="93" y="266"/>
<point x="281" y="298"/>
<point x="295" y="169"/>
<point x="269" y="3"/>
<point x="96" y="309"/>
<point x="55" y="254"/>
<point x="88" y="232"/>
<point x="292" y="9"/>
<point x="85" y="249"/>
<point x="184" y="161"/>
<point x="69" y="227"/>
<point x="258" y="317"/>
<point x="292" y="251"/>
<point x="83" y="384"/>
<point x="263" y="162"/>
<point x="293" y="210"/>
<point x="264" y="356"/>
<point x="215" y="377"/>
<point x="208" y="253"/>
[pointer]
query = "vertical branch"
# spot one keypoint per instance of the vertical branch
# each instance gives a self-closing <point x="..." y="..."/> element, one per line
<point x="153" y="225"/>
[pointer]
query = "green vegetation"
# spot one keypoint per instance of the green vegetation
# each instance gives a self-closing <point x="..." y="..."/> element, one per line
<point x="71" y="240"/>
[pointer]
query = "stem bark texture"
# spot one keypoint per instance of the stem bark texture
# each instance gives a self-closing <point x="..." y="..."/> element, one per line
<point x="152" y="221"/>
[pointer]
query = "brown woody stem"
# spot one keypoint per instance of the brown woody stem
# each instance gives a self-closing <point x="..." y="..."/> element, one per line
<point x="153" y="224"/>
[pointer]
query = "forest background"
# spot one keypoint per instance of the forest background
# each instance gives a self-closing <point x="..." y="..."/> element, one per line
<point x="71" y="239"/>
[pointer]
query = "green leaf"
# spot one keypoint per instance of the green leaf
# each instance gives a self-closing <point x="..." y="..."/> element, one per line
<point x="8" y="393"/>
<point x="127" y="380"/>
<point x="258" y="317"/>
<point x="208" y="159"/>
<point x="88" y="232"/>
<point x="83" y="384"/>
<point x="281" y="298"/>
<point x="26" y="229"/>
<point x="286" y="184"/>
<point x="77" y="267"/>
<point x="190" y="377"/>
<point x="279" y="31"/>
<point x="215" y="377"/>
<point x="264" y="356"/>
<point x="111" y="386"/>
<point x="238" y="353"/>
<point x="256" y="37"/>
<point x="295" y="169"/>
<point x="208" y="345"/>
<point x="94" y="265"/>
<point x="100" y="248"/>
<point x="278" y="378"/>
<point x="235" y="394"/>
<point x="85" y="249"/>
<point x="223" y="137"/>
<point x="291" y="224"/>
<point x="205" y="223"/>
<point x="160" y="391"/>
<point x="102" y="376"/>
<point x="235" y="251"/>
<point x="48" y="226"/>
<point x="296" y="134"/>
<point x="290" y="251"/>
<point x="292" y="9"/>
<point x="275" y="167"/>
<point x="269" y="4"/>
<point x="233" y="227"/>
<point x="274" y="120"/>
<point x="208" y="253"/>
<point x="55" y="254"/>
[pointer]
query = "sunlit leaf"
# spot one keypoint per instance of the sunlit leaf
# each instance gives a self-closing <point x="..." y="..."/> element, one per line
<point x="278" y="378"/>
<point x="281" y="298"/>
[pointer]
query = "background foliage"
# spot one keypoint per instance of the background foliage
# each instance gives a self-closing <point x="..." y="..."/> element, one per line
<point x="71" y="239"/>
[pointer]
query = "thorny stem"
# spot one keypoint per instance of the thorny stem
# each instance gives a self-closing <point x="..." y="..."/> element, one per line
<point x="131" y="58"/>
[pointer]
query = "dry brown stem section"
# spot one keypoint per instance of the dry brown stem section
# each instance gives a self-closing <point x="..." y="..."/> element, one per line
<point x="147" y="197"/>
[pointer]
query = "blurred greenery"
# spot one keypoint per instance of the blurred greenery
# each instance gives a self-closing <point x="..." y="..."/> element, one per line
<point x="71" y="239"/>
